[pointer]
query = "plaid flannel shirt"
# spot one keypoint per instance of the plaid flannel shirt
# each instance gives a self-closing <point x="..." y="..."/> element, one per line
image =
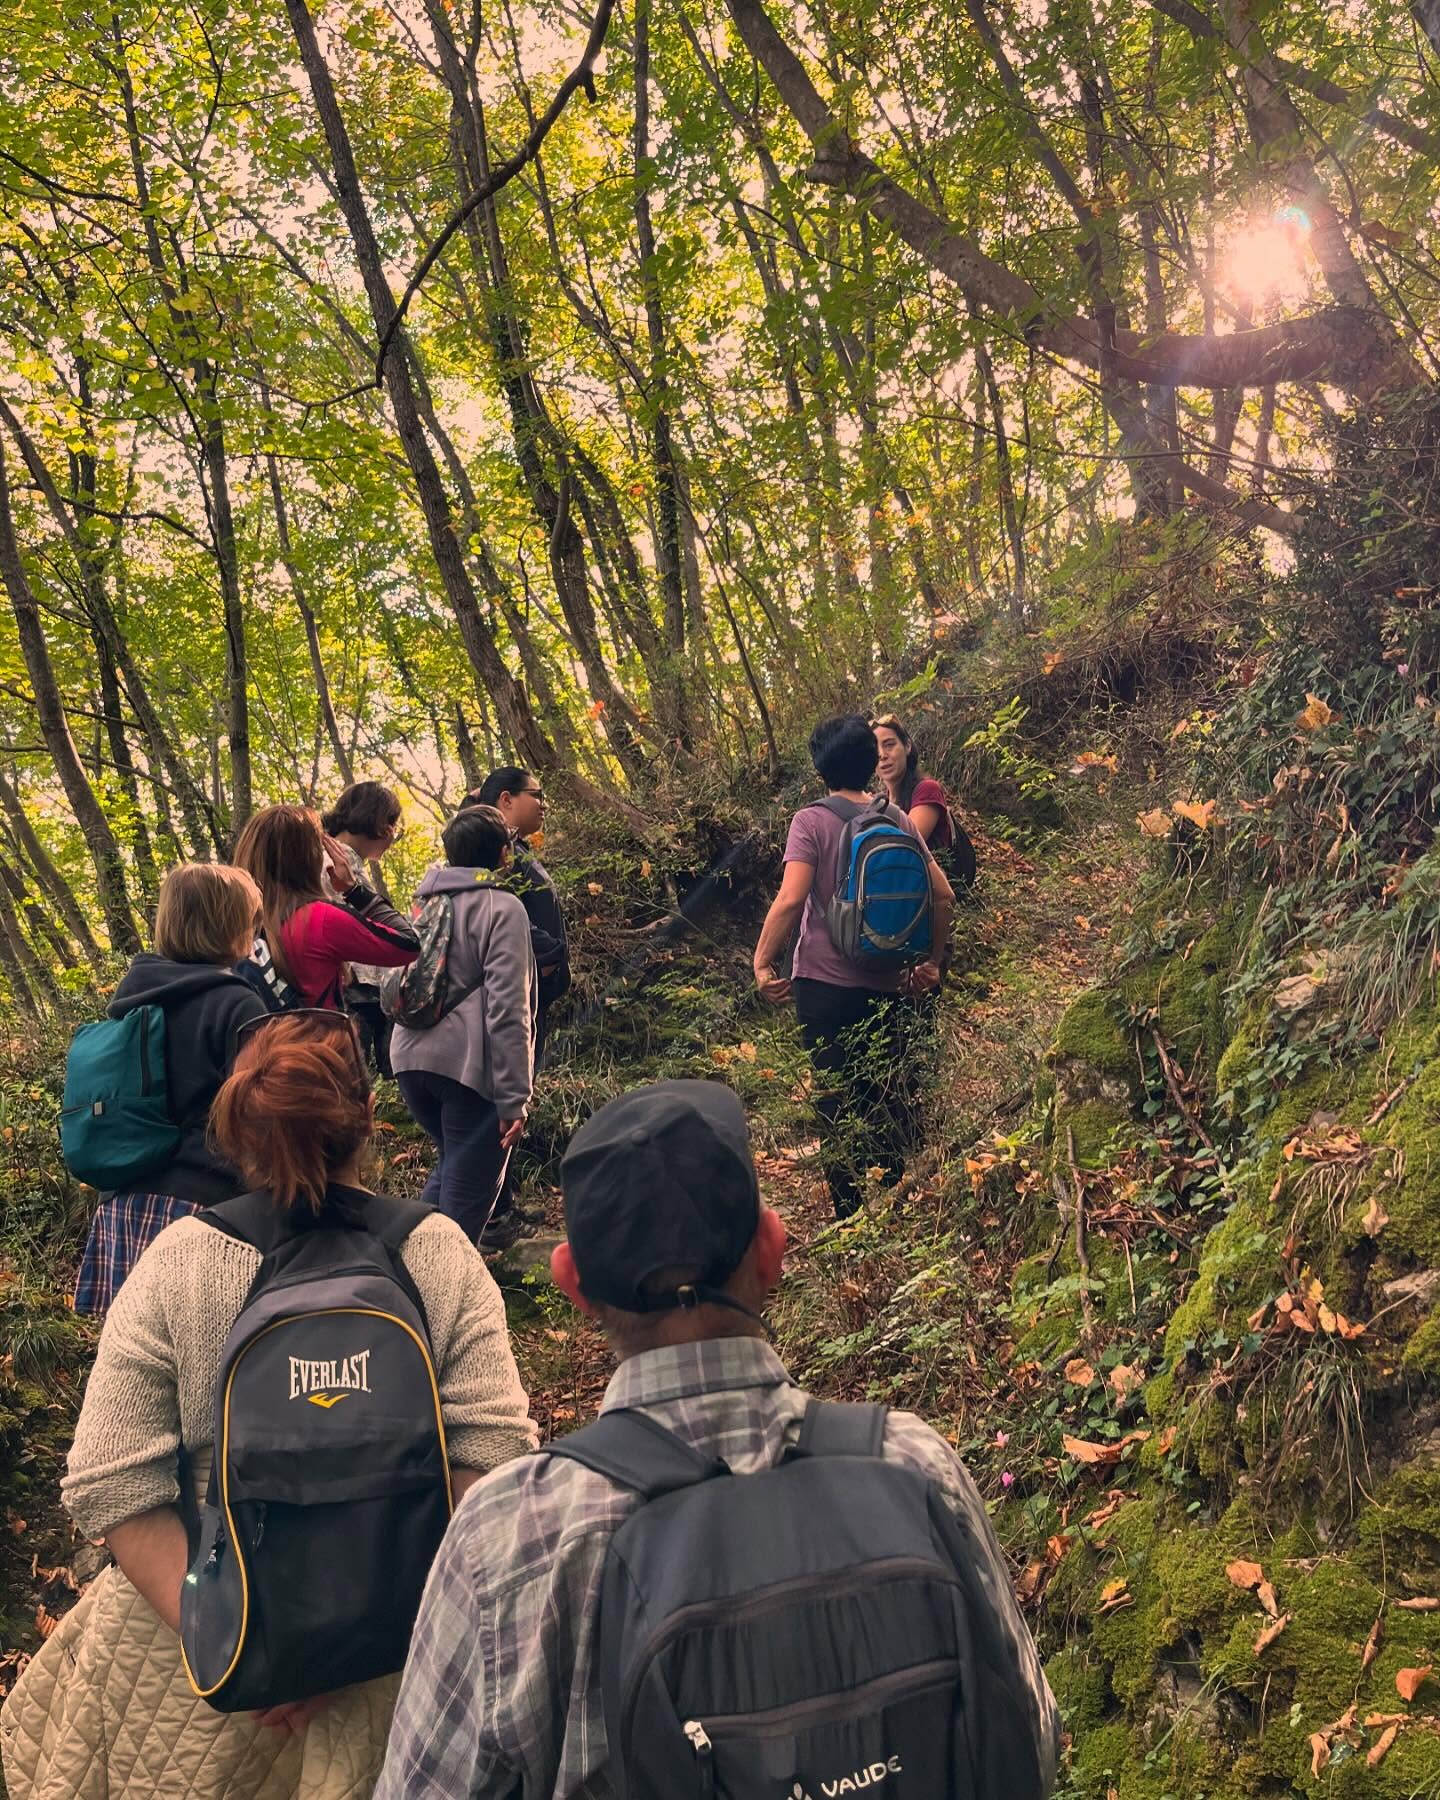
<point x="501" y="1695"/>
<point x="124" y="1227"/>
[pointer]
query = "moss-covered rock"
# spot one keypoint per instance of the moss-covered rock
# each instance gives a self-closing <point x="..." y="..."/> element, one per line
<point x="1421" y="1355"/>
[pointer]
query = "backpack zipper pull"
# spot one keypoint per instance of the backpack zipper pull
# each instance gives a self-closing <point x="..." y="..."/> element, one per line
<point x="704" y="1754"/>
<point x="259" y="1527"/>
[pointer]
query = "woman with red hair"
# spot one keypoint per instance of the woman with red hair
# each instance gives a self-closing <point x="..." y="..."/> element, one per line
<point x="104" y="1711"/>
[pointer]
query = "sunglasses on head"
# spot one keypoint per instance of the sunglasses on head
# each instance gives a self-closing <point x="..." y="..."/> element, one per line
<point x="328" y="1015"/>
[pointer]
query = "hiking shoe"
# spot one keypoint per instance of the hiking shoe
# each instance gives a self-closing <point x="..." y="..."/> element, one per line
<point x="503" y="1233"/>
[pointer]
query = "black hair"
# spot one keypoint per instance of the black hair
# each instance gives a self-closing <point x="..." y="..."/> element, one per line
<point x="888" y="722"/>
<point x="843" y="751"/>
<point x="509" y="780"/>
<point x="475" y="838"/>
<point x="364" y="810"/>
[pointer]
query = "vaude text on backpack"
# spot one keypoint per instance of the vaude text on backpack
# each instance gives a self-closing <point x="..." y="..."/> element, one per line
<point x="330" y="1486"/>
<point x="115" y="1123"/>
<point x="881" y="910"/>
<point x="813" y="1630"/>
<point x="421" y="994"/>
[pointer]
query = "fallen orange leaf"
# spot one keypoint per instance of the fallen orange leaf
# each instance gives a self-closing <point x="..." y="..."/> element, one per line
<point x="1079" y="1372"/>
<point x="1409" y="1682"/>
<point x="1091" y="1454"/>
<point x="1377" y="1752"/>
<point x="1272" y="1631"/>
<point x="1244" y="1574"/>
<point x="1372" y="1645"/>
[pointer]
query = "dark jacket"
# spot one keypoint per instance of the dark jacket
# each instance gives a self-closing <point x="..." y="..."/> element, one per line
<point x="204" y="1006"/>
<point x="528" y="880"/>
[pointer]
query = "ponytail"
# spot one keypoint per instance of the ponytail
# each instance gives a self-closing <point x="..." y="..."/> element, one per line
<point x="295" y="1108"/>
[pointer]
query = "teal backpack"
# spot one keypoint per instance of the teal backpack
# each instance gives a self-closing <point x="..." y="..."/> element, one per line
<point x="115" y="1124"/>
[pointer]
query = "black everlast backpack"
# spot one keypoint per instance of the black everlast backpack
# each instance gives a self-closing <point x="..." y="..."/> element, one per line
<point x="330" y="1486"/>
<point x="814" y="1630"/>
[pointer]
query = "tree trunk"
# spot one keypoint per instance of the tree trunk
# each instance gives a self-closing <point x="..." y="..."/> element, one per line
<point x="37" y="976"/>
<point x="227" y="556"/>
<point x="120" y="755"/>
<point x="1342" y="343"/>
<point x="14" y="973"/>
<point x="307" y="618"/>
<point x="199" y="816"/>
<point x="43" y="929"/>
<point x="49" y="877"/>
<point x="510" y="702"/>
<point x="55" y="729"/>
<point x="669" y="552"/>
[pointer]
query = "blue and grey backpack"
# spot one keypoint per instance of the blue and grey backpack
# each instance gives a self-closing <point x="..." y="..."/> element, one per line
<point x="881" y="910"/>
<point x="813" y="1630"/>
<point x="329" y="1486"/>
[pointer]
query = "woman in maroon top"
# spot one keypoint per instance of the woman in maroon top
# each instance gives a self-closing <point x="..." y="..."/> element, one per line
<point x="311" y="939"/>
<point x="923" y="799"/>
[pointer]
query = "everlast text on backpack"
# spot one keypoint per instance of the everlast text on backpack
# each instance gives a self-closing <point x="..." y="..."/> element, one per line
<point x="881" y="913"/>
<point x="330" y="1485"/>
<point x="814" y="1630"/>
<point x="115" y="1123"/>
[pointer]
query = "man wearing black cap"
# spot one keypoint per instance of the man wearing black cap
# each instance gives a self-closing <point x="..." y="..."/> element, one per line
<point x="672" y="1251"/>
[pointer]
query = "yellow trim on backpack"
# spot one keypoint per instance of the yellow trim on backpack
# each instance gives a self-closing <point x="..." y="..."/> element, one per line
<point x="329" y="1312"/>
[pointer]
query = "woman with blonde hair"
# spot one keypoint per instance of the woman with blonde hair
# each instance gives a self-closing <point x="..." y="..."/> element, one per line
<point x="104" y="1710"/>
<point x="308" y="941"/>
<point x="204" y="924"/>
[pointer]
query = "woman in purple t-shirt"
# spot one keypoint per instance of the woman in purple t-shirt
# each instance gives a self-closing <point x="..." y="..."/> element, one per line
<point x="851" y="1017"/>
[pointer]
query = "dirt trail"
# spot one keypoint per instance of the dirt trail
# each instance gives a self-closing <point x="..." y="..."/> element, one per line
<point x="1037" y="932"/>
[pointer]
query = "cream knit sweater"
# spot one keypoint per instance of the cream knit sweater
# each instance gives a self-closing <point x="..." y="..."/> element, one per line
<point x="153" y="1384"/>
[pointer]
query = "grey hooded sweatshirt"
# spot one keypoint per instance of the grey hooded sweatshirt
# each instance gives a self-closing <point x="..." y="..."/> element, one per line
<point x="488" y="1042"/>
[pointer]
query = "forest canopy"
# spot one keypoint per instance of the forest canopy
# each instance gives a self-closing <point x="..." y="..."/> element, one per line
<point x="397" y="386"/>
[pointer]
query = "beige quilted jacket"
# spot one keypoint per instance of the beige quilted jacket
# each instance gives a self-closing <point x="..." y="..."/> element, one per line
<point x="103" y="1711"/>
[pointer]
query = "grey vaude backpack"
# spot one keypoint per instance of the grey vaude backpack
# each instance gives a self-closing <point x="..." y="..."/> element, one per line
<point x="330" y="1486"/>
<point x="813" y="1630"/>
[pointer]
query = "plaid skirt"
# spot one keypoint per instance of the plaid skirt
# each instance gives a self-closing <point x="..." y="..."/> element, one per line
<point x="122" y="1227"/>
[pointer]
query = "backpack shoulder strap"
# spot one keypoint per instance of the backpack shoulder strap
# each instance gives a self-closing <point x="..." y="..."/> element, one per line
<point x="637" y="1452"/>
<point x="393" y="1221"/>
<point x="253" y="1219"/>
<point x="835" y="1428"/>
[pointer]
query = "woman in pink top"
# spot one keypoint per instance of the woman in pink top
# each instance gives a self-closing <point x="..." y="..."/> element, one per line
<point x="923" y="799"/>
<point x="312" y="939"/>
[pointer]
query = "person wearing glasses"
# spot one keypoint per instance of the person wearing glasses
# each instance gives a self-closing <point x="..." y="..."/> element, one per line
<point x="104" y="1710"/>
<point x="204" y="924"/>
<point x="365" y="822"/>
<point x="519" y="799"/>
<point x="308" y="941"/>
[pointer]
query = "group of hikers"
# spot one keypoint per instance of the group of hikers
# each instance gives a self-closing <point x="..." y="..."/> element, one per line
<point x="342" y="1565"/>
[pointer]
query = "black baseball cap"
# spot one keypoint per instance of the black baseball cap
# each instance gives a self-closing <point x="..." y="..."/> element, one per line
<point x="661" y="1178"/>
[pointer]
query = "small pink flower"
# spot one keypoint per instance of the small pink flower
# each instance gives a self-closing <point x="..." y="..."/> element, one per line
<point x="1007" y="1480"/>
<point x="1402" y="668"/>
<point x="1002" y="1438"/>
